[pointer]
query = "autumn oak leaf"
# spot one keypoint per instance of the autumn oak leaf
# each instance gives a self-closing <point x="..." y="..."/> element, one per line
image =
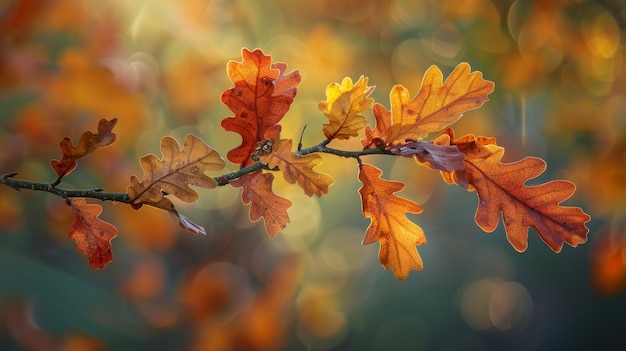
<point x="88" y="143"/>
<point x="298" y="168"/>
<point x="397" y="235"/>
<point x="437" y="105"/>
<point x="176" y="171"/>
<point x="260" y="98"/>
<point x="375" y="137"/>
<point x="501" y="188"/>
<point x="441" y="157"/>
<point x="343" y="108"/>
<point x="257" y="191"/>
<point x="93" y="235"/>
<point x="184" y="222"/>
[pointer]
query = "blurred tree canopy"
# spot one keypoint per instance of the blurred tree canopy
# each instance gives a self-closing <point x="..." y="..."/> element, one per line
<point x="159" y="67"/>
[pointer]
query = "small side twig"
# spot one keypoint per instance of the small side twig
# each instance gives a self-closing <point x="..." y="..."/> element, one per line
<point x="301" y="136"/>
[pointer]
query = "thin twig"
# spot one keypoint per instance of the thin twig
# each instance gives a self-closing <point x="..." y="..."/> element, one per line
<point x="321" y="147"/>
<point x="225" y="179"/>
<point x="64" y="193"/>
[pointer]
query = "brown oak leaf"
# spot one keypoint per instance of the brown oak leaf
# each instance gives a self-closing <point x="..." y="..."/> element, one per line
<point x="176" y="171"/>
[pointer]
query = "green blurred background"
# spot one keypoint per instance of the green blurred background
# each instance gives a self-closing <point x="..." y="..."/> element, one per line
<point x="160" y="67"/>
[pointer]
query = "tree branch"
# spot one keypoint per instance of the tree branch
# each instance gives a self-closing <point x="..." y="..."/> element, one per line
<point x="95" y="193"/>
<point x="225" y="179"/>
<point x="321" y="147"/>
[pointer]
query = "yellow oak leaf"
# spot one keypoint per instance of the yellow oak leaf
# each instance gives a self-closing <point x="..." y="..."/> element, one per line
<point x="343" y="106"/>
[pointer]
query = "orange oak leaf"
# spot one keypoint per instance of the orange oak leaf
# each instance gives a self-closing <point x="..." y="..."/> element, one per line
<point x="88" y="143"/>
<point x="93" y="235"/>
<point x="501" y="188"/>
<point x="437" y="105"/>
<point x="257" y="191"/>
<point x="260" y="98"/>
<point x="298" y="168"/>
<point x="397" y="235"/>
<point x="343" y="106"/>
<point x="175" y="172"/>
<point x="376" y="137"/>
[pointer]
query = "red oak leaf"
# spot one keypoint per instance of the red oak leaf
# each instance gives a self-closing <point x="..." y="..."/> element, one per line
<point x="260" y="98"/>
<point x="93" y="235"/>
<point x="87" y="144"/>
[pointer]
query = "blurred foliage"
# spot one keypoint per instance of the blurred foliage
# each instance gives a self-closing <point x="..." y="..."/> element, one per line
<point x="159" y="67"/>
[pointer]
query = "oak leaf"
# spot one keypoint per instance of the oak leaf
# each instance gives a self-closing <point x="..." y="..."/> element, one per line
<point x="397" y="235"/>
<point x="257" y="191"/>
<point x="442" y="157"/>
<point x="298" y="168"/>
<point x="93" y="235"/>
<point x="376" y="137"/>
<point x="343" y="106"/>
<point x="437" y="105"/>
<point x="260" y="98"/>
<point x="501" y="188"/>
<point x="87" y="143"/>
<point x="184" y="222"/>
<point x="175" y="172"/>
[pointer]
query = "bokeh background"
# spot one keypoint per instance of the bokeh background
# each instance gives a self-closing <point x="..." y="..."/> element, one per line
<point x="160" y="67"/>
